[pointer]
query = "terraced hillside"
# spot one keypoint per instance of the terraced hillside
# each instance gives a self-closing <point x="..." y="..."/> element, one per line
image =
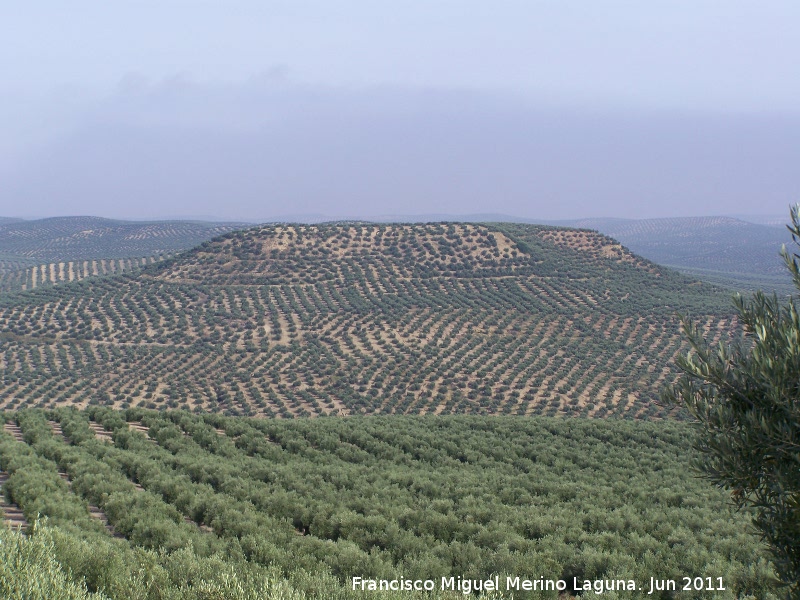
<point x="57" y="250"/>
<point x="360" y="318"/>
<point x="721" y="250"/>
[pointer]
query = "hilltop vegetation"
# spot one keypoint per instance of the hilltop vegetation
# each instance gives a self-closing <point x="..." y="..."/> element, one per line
<point x="63" y="249"/>
<point x="233" y="506"/>
<point x="360" y="318"/>
<point x="722" y="250"/>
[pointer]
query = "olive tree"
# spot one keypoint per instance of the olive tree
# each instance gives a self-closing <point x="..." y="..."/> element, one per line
<point x="745" y="399"/>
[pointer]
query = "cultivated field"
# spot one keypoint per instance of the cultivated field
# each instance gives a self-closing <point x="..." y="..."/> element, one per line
<point x="30" y="278"/>
<point x="144" y="504"/>
<point x="359" y="318"/>
<point x="63" y="249"/>
<point x="721" y="250"/>
<point x="61" y="239"/>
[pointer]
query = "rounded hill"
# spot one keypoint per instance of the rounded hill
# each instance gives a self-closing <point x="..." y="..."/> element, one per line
<point x="289" y="320"/>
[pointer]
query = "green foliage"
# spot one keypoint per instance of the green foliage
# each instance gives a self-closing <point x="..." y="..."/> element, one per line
<point x="392" y="496"/>
<point x="745" y="399"/>
<point x="29" y="569"/>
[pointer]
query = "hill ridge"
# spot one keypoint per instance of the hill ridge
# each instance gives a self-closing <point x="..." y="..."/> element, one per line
<point x="57" y="239"/>
<point x="364" y="318"/>
<point x="727" y="251"/>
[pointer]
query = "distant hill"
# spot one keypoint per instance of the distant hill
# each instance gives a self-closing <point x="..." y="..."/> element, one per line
<point x="739" y="253"/>
<point x="723" y="250"/>
<point x="82" y="238"/>
<point x="364" y="318"/>
<point x="771" y="220"/>
<point x="61" y="249"/>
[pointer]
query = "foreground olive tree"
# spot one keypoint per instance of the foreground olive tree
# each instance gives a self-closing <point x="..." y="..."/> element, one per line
<point x="745" y="398"/>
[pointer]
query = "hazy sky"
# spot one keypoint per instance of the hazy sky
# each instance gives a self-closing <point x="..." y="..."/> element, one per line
<point x="252" y="110"/>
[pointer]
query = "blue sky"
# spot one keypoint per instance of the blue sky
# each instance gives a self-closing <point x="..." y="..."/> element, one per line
<point x="537" y="108"/>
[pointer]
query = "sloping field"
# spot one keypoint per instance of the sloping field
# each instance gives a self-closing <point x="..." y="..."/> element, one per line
<point x="13" y="271"/>
<point x="360" y="318"/>
<point x="722" y="250"/>
<point x="318" y="502"/>
<point x="61" y="239"/>
<point x="48" y="274"/>
<point x="57" y="250"/>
